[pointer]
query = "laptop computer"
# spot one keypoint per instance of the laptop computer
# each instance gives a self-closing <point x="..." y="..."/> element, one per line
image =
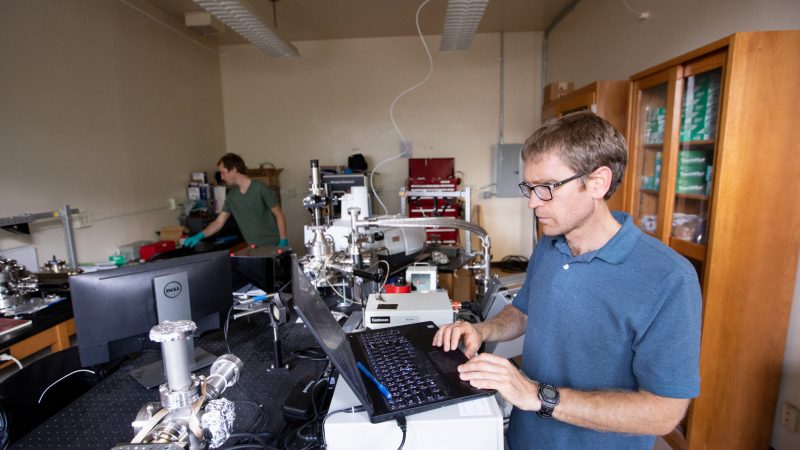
<point x="394" y="371"/>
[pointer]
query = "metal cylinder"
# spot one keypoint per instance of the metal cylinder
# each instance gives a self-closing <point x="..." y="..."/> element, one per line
<point x="69" y="237"/>
<point x="177" y="351"/>
<point x="316" y="178"/>
<point x="224" y="372"/>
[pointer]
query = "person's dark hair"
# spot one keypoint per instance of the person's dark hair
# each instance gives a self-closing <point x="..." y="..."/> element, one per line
<point x="233" y="161"/>
<point x="584" y="142"/>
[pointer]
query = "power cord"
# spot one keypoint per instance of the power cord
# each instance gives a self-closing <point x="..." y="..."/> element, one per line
<point x="404" y="143"/>
<point x="311" y="353"/>
<point x="59" y="380"/>
<point x="8" y="357"/>
<point x="351" y="410"/>
<point x="401" y="422"/>
<point x="259" y="416"/>
<point x="225" y="329"/>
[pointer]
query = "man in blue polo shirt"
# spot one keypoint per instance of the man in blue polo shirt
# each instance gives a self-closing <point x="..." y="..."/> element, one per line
<point x="611" y="315"/>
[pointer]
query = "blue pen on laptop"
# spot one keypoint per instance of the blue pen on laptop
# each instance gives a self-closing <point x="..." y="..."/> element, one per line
<point x="372" y="378"/>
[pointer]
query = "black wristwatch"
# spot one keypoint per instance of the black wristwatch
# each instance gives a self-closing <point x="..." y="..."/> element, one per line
<point x="549" y="396"/>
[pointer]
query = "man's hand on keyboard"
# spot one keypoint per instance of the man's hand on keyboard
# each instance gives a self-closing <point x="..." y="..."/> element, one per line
<point x="487" y="371"/>
<point x="448" y="337"/>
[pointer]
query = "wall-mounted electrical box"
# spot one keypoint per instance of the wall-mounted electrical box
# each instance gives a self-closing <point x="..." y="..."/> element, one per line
<point x="507" y="170"/>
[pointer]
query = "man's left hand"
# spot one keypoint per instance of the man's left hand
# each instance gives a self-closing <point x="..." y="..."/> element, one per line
<point x="487" y="371"/>
<point x="283" y="243"/>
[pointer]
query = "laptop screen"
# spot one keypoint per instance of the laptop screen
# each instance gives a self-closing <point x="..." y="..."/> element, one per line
<point x="326" y="330"/>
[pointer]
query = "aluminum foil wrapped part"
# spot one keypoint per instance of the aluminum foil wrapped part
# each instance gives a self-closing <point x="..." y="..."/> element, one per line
<point x="169" y="330"/>
<point x="218" y="419"/>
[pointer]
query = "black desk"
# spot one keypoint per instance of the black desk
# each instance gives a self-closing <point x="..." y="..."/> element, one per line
<point x="102" y="417"/>
<point x="41" y="320"/>
<point x="50" y="327"/>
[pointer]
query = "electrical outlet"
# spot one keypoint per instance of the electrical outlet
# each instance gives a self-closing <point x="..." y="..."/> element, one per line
<point x="292" y="192"/>
<point x="789" y="415"/>
<point x="172" y="203"/>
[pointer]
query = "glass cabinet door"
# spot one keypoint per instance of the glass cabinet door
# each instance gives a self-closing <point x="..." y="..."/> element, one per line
<point x="649" y="148"/>
<point x="695" y="161"/>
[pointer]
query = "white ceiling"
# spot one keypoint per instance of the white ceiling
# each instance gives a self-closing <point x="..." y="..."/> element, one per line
<point x="300" y="20"/>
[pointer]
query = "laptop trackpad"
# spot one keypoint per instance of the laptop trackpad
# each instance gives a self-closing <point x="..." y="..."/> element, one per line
<point x="447" y="362"/>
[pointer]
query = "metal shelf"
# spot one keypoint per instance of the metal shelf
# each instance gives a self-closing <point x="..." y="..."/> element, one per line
<point x="19" y="224"/>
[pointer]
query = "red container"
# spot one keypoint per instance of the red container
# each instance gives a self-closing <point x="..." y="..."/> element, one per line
<point x="148" y="251"/>
<point x="398" y="288"/>
<point x="431" y="167"/>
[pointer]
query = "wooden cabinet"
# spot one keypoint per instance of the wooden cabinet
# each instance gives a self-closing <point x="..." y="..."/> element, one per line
<point x="607" y="99"/>
<point x="714" y="173"/>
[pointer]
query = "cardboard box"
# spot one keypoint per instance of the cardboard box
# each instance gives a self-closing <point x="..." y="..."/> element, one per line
<point x="170" y="233"/>
<point x="269" y="176"/>
<point x="557" y="89"/>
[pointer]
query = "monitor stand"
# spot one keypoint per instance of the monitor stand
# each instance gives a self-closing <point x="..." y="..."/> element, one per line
<point x="152" y="374"/>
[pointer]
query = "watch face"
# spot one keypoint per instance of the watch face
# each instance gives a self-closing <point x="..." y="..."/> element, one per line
<point x="549" y="393"/>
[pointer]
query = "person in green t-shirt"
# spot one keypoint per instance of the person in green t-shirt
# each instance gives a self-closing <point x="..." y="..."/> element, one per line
<point x="253" y="204"/>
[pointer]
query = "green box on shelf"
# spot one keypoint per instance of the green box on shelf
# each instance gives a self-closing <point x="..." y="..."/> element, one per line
<point x="692" y="171"/>
<point x="691" y="181"/>
<point x="702" y="134"/>
<point x="692" y="157"/>
<point x="691" y="189"/>
<point x="698" y="171"/>
<point x="691" y="185"/>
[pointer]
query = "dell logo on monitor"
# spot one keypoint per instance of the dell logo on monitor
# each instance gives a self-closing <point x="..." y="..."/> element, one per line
<point x="173" y="289"/>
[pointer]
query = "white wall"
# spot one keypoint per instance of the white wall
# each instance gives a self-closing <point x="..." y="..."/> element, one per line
<point x="783" y="439"/>
<point x="334" y="101"/>
<point x="601" y="39"/>
<point x="103" y="109"/>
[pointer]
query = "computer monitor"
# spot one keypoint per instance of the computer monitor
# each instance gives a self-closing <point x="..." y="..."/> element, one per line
<point x="115" y="309"/>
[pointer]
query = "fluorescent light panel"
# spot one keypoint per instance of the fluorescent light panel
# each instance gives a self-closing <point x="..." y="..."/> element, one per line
<point x="241" y="20"/>
<point x="460" y="23"/>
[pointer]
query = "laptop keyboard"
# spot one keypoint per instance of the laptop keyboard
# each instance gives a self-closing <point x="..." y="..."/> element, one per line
<point x="411" y="379"/>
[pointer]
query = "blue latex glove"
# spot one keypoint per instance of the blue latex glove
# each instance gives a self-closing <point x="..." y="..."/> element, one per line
<point x="283" y="243"/>
<point x="191" y="241"/>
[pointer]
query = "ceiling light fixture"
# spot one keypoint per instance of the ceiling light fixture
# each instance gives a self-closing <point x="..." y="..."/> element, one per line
<point x="241" y="19"/>
<point x="460" y="23"/>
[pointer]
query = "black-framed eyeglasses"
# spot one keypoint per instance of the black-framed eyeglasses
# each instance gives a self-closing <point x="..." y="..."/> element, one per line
<point x="544" y="191"/>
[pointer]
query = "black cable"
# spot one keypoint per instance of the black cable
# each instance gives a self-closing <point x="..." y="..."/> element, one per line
<point x="252" y="436"/>
<point x="311" y="353"/>
<point x="311" y="439"/>
<point x="447" y="202"/>
<point x="236" y="447"/>
<point x="281" y="437"/>
<point x="260" y="408"/>
<point x="514" y="264"/>
<point x="280" y="289"/>
<point x="354" y="409"/>
<point x="401" y="422"/>
<point x="314" y="395"/>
